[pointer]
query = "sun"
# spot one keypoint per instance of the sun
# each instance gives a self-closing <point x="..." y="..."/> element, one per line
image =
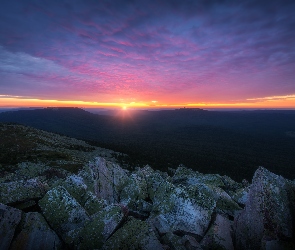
<point x="124" y="108"/>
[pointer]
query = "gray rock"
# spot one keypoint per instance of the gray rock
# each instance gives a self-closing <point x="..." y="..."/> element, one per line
<point x="218" y="235"/>
<point x="29" y="170"/>
<point x="268" y="213"/>
<point x="181" y="211"/>
<point x="9" y="219"/>
<point x="19" y="191"/>
<point x="186" y="177"/>
<point x="241" y="195"/>
<point x="134" y="192"/>
<point x="101" y="226"/>
<point x="104" y="179"/>
<point x="75" y="185"/>
<point x="161" y="224"/>
<point x="134" y="234"/>
<point x="135" y="188"/>
<point x="62" y="211"/>
<point x="173" y="241"/>
<point x="205" y="195"/>
<point x="190" y="243"/>
<point x="230" y="184"/>
<point x="36" y="234"/>
<point x="224" y="203"/>
<point x="206" y="189"/>
<point x="93" y="204"/>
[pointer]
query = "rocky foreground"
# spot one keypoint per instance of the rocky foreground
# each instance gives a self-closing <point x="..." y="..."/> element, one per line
<point x="104" y="206"/>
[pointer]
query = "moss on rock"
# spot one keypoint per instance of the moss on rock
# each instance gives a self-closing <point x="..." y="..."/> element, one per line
<point x="134" y="234"/>
<point x="62" y="211"/>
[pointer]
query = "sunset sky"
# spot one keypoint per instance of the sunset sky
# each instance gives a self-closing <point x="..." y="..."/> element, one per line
<point x="147" y="54"/>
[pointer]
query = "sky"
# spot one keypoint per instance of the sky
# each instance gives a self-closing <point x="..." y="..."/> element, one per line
<point x="147" y="54"/>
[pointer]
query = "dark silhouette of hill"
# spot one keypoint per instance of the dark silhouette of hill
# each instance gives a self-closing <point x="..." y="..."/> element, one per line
<point x="233" y="143"/>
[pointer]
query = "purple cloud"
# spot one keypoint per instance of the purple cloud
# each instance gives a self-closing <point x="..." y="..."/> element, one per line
<point x="194" y="50"/>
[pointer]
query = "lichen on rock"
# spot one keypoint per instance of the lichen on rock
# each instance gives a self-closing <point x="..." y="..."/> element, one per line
<point x="99" y="228"/>
<point x="134" y="234"/>
<point x="23" y="190"/>
<point x="268" y="214"/>
<point x="62" y="211"/>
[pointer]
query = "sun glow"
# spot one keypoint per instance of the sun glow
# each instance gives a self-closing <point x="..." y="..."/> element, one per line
<point x="265" y="102"/>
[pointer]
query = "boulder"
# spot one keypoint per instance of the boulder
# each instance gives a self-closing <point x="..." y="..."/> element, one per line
<point x="181" y="211"/>
<point x="173" y="241"/>
<point x="134" y="234"/>
<point x="218" y="235"/>
<point x="23" y="190"/>
<point x="241" y="195"/>
<point x="62" y="211"/>
<point x="268" y="213"/>
<point x="206" y="195"/>
<point x="93" y="204"/>
<point x="161" y="224"/>
<point x="156" y="186"/>
<point x="134" y="193"/>
<point x="9" y="219"/>
<point x="187" y="177"/>
<point x="104" y="179"/>
<point x="101" y="226"/>
<point x="36" y="234"/>
<point x="224" y="203"/>
<point x="190" y="243"/>
<point x="75" y="185"/>
<point x="230" y="184"/>
<point x="135" y="188"/>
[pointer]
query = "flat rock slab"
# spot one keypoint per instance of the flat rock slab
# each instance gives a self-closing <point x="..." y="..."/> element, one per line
<point x="9" y="219"/>
<point x="36" y="234"/>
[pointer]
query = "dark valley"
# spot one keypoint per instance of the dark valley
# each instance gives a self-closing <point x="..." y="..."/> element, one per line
<point x="234" y="143"/>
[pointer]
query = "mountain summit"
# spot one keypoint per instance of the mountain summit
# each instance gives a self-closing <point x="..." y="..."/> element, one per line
<point x="45" y="203"/>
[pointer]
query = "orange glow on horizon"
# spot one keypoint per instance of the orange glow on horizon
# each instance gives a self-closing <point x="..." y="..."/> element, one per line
<point x="266" y="102"/>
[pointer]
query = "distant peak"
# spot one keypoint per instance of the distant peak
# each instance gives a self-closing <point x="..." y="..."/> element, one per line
<point x="190" y="109"/>
<point x="63" y="108"/>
